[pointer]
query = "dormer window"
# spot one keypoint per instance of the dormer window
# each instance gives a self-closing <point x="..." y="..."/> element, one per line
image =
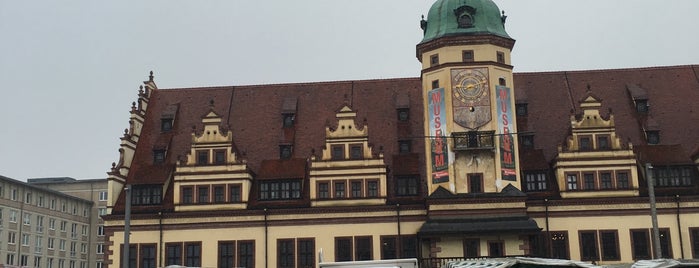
<point x="158" y="156"/>
<point x="404" y="146"/>
<point x="219" y="157"/>
<point x="338" y="152"/>
<point x="602" y="143"/>
<point x="526" y="141"/>
<point x="284" y="151"/>
<point x="165" y="124"/>
<point x="403" y="114"/>
<point x="522" y="109"/>
<point x="288" y="120"/>
<point x="202" y="157"/>
<point x="356" y="151"/>
<point x="642" y="106"/>
<point x="653" y="136"/>
<point x="585" y="144"/>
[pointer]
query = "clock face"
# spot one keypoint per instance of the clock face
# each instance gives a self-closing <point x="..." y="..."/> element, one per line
<point x="470" y="85"/>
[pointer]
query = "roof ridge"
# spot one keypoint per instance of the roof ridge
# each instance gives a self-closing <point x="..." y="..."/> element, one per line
<point x="290" y="84"/>
<point x="611" y="69"/>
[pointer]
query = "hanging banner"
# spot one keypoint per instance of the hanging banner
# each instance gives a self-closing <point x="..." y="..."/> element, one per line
<point x="439" y="153"/>
<point x="505" y="122"/>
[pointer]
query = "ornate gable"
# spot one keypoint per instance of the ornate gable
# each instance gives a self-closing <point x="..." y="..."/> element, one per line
<point x="211" y="176"/>
<point x="347" y="172"/>
<point x="593" y="162"/>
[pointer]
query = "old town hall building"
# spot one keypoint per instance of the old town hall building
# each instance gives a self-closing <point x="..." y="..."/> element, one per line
<point x="467" y="160"/>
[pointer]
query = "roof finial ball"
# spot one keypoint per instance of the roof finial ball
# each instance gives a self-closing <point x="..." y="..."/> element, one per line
<point x="150" y="77"/>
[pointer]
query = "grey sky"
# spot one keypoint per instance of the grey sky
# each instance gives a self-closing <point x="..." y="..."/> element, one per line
<point x="69" y="70"/>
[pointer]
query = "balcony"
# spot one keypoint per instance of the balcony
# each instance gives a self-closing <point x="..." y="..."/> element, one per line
<point x="473" y="140"/>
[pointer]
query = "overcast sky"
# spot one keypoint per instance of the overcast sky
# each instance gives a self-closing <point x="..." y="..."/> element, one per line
<point x="70" y="69"/>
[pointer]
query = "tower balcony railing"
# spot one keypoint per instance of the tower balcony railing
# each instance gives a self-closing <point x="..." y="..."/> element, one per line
<point x="473" y="140"/>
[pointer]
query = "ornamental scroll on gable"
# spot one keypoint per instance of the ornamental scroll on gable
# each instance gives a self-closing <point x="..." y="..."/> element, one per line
<point x="590" y="127"/>
<point x="347" y="136"/>
<point x="213" y="140"/>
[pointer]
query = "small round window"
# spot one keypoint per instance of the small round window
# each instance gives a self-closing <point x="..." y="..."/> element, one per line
<point x="465" y="20"/>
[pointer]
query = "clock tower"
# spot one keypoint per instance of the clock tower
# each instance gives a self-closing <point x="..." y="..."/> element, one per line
<point x="470" y="130"/>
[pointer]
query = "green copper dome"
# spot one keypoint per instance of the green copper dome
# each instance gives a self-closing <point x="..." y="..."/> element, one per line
<point x="463" y="17"/>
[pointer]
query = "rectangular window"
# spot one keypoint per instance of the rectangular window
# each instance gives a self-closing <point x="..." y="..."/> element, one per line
<point x="588" y="245"/>
<point x="406" y="185"/>
<point x="500" y="57"/>
<point x="435" y="84"/>
<point x="203" y="194"/>
<point x="343" y="248"/>
<point x="372" y="188"/>
<point x="434" y="60"/>
<point x="100" y="249"/>
<point x="100" y="230"/>
<point x="246" y="254"/>
<point x="559" y="245"/>
<point x="338" y="152"/>
<point x="339" y="189"/>
<point x="280" y="190"/>
<point x="165" y="124"/>
<point x="356" y="152"/>
<point x="521" y="110"/>
<point x="472" y="248"/>
<point x="306" y="256"/>
<point x="226" y="254"/>
<point x="404" y="147"/>
<point x="202" y="157"/>
<point x="694" y="237"/>
<point x="572" y="181"/>
<point x="496" y="249"/>
<point x="288" y="120"/>
<point x="389" y="248"/>
<point x="147" y="256"/>
<point x="219" y="157"/>
<point x="535" y="181"/>
<point x="146" y="194"/>
<point x="356" y="189"/>
<point x="158" y="156"/>
<point x="475" y="183"/>
<point x="363" y="248"/>
<point x="665" y="245"/>
<point x="589" y="181"/>
<point x="173" y="254"/>
<point x="235" y="196"/>
<point x="602" y="142"/>
<point x="467" y="55"/>
<point x="323" y="191"/>
<point x="653" y="136"/>
<point x="640" y="244"/>
<point x="219" y="194"/>
<point x="610" y="245"/>
<point x="133" y="257"/>
<point x="285" y="253"/>
<point x="606" y="180"/>
<point x="103" y="196"/>
<point x="403" y="114"/>
<point x="285" y="151"/>
<point x="192" y="255"/>
<point x="622" y="180"/>
<point x="584" y="143"/>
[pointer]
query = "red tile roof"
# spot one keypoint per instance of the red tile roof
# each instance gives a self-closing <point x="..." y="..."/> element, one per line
<point x="254" y="115"/>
